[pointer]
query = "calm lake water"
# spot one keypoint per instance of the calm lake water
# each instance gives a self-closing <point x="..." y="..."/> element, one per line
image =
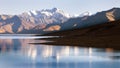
<point x="17" y="52"/>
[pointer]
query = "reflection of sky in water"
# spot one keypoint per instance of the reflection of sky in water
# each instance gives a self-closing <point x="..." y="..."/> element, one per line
<point x="17" y="53"/>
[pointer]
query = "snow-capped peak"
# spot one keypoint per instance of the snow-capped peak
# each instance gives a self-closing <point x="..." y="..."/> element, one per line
<point x="82" y="14"/>
<point x="85" y="14"/>
<point x="55" y="9"/>
<point x="76" y="15"/>
<point x="34" y="12"/>
<point x="63" y="13"/>
<point x="29" y="13"/>
<point x="49" y="12"/>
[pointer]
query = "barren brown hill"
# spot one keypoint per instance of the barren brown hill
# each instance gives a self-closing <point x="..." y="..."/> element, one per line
<point x="105" y="35"/>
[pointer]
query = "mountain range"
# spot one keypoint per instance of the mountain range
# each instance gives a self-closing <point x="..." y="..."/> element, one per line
<point x="52" y="20"/>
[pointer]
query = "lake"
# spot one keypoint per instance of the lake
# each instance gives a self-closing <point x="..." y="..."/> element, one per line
<point x="17" y="52"/>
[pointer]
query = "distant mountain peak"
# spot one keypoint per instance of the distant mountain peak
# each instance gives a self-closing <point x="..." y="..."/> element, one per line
<point x="85" y="14"/>
<point x="54" y="12"/>
<point x="55" y="9"/>
<point x="35" y="21"/>
<point x="114" y="9"/>
<point x="82" y="14"/>
<point x="51" y="10"/>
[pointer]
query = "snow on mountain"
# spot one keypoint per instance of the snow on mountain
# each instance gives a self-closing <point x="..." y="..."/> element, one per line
<point x="47" y="13"/>
<point x="34" y="12"/>
<point x="62" y="12"/>
<point x="82" y="14"/>
<point x="29" y="13"/>
<point x="55" y="12"/>
<point x="46" y="16"/>
<point x="33" y="21"/>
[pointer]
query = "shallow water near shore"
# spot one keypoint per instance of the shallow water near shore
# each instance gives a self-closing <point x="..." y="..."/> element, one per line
<point x="17" y="52"/>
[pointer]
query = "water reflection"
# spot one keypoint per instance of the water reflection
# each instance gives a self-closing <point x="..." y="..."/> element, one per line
<point x="45" y="51"/>
<point x="25" y="55"/>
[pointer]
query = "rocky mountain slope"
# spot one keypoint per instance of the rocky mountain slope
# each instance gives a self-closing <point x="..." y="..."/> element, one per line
<point x="28" y="21"/>
<point x="51" y="20"/>
<point x="105" y="35"/>
<point x="86" y="21"/>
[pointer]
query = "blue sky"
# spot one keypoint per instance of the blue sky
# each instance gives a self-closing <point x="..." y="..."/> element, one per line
<point x="70" y="6"/>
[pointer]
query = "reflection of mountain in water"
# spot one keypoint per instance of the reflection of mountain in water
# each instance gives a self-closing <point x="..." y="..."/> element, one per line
<point x="9" y="45"/>
<point x="45" y="51"/>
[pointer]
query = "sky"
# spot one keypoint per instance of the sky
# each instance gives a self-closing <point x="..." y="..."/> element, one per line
<point x="70" y="6"/>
